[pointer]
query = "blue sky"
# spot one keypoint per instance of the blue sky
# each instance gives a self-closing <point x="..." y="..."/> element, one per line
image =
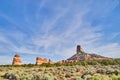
<point x="53" y="28"/>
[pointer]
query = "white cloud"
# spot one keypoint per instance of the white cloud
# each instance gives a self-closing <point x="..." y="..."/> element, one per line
<point x="109" y="50"/>
<point x="62" y="32"/>
<point x="114" y="35"/>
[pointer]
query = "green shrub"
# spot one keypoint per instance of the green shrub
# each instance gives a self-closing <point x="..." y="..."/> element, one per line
<point x="68" y="75"/>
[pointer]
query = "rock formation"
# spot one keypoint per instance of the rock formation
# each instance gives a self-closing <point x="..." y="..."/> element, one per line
<point x="50" y="61"/>
<point x="79" y="49"/>
<point x="79" y="56"/>
<point x="41" y="60"/>
<point x="59" y="62"/>
<point x="16" y="60"/>
<point x="82" y="56"/>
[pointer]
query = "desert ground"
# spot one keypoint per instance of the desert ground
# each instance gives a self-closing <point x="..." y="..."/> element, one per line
<point x="76" y="72"/>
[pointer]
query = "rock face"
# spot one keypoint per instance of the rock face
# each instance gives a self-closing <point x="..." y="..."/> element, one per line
<point x="16" y="60"/>
<point x="50" y="61"/>
<point x="60" y="62"/>
<point x="41" y="60"/>
<point x="82" y="56"/>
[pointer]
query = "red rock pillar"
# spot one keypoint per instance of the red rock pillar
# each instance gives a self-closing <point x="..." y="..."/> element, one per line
<point x="16" y="60"/>
<point x="79" y="49"/>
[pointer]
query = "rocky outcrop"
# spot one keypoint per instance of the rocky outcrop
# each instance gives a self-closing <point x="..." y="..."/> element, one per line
<point x="16" y="60"/>
<point x="50" y="61"/>
<point x="82" y="56"/>
<point x="79" y="49"/>
<point x="59" y="62"/>
<point x="79" y="56"/>
<point x="41" y="60"/>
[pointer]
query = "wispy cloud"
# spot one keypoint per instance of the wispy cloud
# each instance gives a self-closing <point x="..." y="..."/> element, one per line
<point x="114" y="35"/>
<point x="5" y="59"/>
<point x="9" y="19"/>
<point x="62" y="26"/>
<point x="109" y="50"/>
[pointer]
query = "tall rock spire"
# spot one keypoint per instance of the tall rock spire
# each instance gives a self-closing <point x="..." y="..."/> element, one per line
<point x="79" y="49"/>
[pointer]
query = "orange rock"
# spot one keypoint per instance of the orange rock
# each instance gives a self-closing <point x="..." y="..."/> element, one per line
<point x="60" y="62"/>
<point x="51" y="62"/>
<point x="16" y="60"/>
<point x="41" y="60"/>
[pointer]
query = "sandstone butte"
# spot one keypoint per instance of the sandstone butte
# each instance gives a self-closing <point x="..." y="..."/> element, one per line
<point x="41" y="60"/>
<point x="16" y="60"/>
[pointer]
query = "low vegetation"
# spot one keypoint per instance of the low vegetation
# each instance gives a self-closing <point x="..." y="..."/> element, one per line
<point x="85" y="70"/>
<point x="82" y="63"/>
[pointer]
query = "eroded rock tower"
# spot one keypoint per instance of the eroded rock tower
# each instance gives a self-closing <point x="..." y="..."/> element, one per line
<point x="17" y="60"/>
